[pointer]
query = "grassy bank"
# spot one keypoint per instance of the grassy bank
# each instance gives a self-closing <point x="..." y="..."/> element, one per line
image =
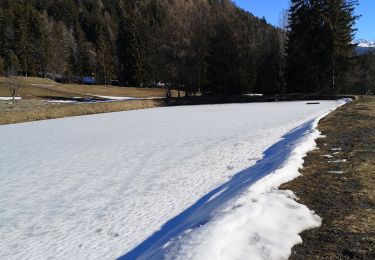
<point x="37" y="92"/>
<point x="40" y="111"/>
<point x="39" y="88"/>
<point x="338" y="182"/>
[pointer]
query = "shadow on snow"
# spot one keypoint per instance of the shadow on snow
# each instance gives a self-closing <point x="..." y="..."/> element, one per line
<point x="201" y="211"/>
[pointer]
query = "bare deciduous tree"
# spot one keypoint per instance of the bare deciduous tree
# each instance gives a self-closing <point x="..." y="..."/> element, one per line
<point x="14" y="84"/>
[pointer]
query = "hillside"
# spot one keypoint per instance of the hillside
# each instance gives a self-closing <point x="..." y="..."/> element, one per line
<point x="212" y="46"/>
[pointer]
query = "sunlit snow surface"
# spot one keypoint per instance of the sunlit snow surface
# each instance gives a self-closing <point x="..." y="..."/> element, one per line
<point x="96" y="187"/>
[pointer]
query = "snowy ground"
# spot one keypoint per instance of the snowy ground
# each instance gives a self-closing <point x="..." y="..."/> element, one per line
<point x="115" y="98"/>
<point x="96" y="187"/>
<point x="9" y="98"/>
<point x="101" y="100"/>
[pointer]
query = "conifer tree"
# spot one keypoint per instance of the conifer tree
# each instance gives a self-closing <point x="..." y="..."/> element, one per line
<point x="79" y="53"/>
<point x="340" y="20"/>
<point x="2" y="30"/>
<point x="104" y="59"/>
<point x="136" y="43"/>
<point x="319" y="44"/>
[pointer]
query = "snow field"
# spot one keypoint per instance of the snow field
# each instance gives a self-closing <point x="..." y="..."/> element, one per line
<point x="94" y="187"/>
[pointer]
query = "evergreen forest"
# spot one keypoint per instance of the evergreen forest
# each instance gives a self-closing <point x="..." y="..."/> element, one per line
<point x="205" y="46"/>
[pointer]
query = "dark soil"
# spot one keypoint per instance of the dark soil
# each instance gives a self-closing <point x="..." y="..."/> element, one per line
<point x="342" y="193"/>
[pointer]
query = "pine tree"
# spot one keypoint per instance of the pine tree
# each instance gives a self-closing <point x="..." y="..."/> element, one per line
<point x="2" y="41"/>
<point x="128" y="51"/>
<point x="300" y="73"/>
<point x="319" y="44"/>
<point x="2" y="29"/>
<point x="104" y="59"/>
<point x="2" y="66"/>
<point x="134" y="45"/>
<point x="79" y="53"/>
<point x="340" y="20"/>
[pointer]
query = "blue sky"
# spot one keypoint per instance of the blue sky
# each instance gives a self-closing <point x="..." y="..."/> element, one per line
<point x="271" y="9"/>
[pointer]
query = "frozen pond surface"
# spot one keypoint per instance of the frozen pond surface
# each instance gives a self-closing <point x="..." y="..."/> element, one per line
<point x="95" y="187"/>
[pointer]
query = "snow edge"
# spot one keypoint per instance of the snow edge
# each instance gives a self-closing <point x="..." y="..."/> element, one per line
<point x="263" y="222"/>
<point x="247" y="217"/>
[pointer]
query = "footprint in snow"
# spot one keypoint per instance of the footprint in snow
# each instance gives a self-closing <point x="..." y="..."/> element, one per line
<point x="113" y="234"/>
<point x="253" y="159"/>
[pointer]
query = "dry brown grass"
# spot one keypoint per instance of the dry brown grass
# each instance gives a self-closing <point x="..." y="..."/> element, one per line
<point x="35" y="90"/>
<point x="38" y="88"/>
<point x="60" y="111"/>
<point x="342" y="194"/>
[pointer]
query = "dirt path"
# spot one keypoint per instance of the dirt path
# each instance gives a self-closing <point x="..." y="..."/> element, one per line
<point x="338" y="182"/>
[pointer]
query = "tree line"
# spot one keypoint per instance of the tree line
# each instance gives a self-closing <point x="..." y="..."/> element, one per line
<point x="207" y="46"/>
<point x="211" y="46"/>
<point x="320" y="54"/>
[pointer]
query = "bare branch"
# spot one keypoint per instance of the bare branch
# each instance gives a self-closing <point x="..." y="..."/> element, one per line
<point x="14" y="84"/>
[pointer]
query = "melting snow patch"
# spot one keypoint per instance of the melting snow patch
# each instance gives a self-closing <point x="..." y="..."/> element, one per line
<point x="257" y="226"/>
<point x="338" y="161"/>
<point x="116" y="98"/>
<point x="10" y="98"/>
<point x="127" y="98"/>
<point x="61" y="101"/>
<point x="253" y="95"/>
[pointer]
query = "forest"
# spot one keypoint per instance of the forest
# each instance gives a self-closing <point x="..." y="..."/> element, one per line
<point x="205" y="46"/>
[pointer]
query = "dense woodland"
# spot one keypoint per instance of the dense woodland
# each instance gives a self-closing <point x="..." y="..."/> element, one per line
<point x="199" y="45"/>
<point x="210" y="46"/>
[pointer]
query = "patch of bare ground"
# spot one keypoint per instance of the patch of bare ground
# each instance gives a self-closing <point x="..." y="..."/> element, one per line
<point x="338" y="182"/>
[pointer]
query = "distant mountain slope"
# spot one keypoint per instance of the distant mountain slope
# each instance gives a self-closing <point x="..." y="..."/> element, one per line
<point x="365" y="43"/>
<point x="364" y="46"/>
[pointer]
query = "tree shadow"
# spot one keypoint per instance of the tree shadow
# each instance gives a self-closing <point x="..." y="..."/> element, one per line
<point x="201" y="211"/>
